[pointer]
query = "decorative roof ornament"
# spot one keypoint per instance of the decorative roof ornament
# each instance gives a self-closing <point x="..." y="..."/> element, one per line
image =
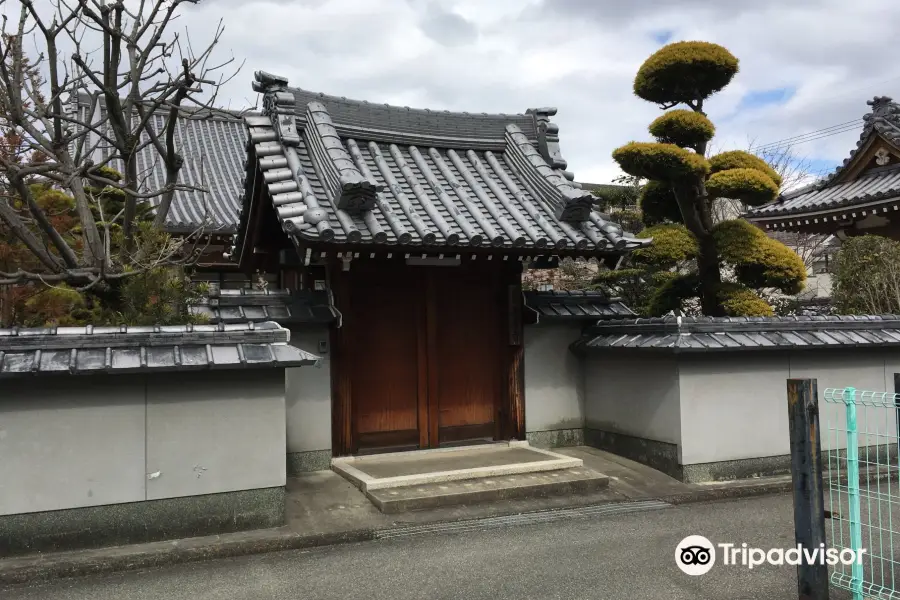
<point x="880" y="103"/>
<point x="548" y="139"/>
<point x="279" y="105"/>
<point x="882" y="157"/>
<point x="261" y="283"/>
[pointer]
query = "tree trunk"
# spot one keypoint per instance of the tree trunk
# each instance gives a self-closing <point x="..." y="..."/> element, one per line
<point x="699" y="222"/>
<point x="710" y="276"/>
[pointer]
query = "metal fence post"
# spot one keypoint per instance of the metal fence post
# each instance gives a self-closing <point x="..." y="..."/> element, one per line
<point x="856" y="570"/>
<point x="806" y="473"/>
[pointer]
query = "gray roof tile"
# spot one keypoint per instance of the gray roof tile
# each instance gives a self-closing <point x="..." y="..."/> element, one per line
<point x="281" y="306"/>
<point x="214" y="150"/>
<point x="83" y="350"/>
<point x="575" y="305"/>
<point x="708" y="334"/>
<point x="345" y="171"/>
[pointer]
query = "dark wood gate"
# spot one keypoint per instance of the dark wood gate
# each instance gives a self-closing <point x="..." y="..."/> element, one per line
<point x="421" y="359"/>
<point x="465" y="366"/>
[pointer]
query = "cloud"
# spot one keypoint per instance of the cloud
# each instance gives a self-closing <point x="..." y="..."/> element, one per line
<point x="447" y="27"/>
<point x="828" y="56"/>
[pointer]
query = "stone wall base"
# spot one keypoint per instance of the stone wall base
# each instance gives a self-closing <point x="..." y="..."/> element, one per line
<point x="744" y="468"/>
<point x="557" y="438"/>
<point x="140" y="522"/>
<point x="304" y="462"/>
<point x="662" y="456"/>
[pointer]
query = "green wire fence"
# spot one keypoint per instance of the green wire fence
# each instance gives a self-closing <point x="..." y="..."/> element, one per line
<point x="859" y="441"/>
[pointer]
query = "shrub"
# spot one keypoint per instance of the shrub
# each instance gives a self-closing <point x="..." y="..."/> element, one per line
<point x="738" y="159"/>
<point x="684" y="128"/>
<point x="759" y="261"/>
<point x="740" y="301"/>
<point x="658" y="204"/>
<point x="672" y="244"/>
<point x="747" y="185"/>
<point x="684" y="71"/>
<point x="866" y="278"/>
<point x="665" y="162"/>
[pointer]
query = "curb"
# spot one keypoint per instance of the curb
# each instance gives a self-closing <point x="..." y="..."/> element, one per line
<point x="81" y="563"/>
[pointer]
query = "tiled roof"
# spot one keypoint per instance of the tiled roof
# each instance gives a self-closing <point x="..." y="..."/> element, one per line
<point x="214" y="152"/>
<point x="575" y="305"/>
<point x="874" y="186"/>
<point x="344" y="171"/>
<point x="282" y="306"/>
<point x="85" y="350"/>
<point x="720" y="334"/>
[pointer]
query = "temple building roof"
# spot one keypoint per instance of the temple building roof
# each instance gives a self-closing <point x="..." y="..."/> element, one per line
<point x="362" y="175"/>
<point x="860" y="195"/>
<point x="214" y="150"/>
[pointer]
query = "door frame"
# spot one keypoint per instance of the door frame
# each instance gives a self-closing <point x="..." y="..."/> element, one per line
<point x="510" y="417"/>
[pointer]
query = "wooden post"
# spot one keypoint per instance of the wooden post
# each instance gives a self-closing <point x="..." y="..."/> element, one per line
<point x="514" y="410"/>
<point x="342" y="441"/>
<point x="806" y="472"/>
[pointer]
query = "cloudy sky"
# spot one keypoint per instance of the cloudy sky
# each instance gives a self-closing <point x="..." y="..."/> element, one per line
<point x="805" y="65"/>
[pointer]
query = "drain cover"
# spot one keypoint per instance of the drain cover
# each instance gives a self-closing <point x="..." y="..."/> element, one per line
<point x="546" y="516"/>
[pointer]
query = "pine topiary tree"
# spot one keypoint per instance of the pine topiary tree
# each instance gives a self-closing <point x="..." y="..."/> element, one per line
<point x="684" y="184"/>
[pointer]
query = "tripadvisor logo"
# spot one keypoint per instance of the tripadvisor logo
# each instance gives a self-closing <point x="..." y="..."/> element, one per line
<point x="696" y="555"/>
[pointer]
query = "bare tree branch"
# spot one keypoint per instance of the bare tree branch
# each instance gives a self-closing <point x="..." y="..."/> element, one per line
<point x="114" y="70"/>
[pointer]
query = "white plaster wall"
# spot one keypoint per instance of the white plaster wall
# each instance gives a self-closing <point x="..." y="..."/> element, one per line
<point x="733" y="406"/>
<point x="308" y="395"/>
<point x="78" y="441"/>
<point x="215" y="432"/>
<point x="554" y="394"/>
<point x="635" y="394"/>
<point x="866" y="369"/>
<point x="70" y="443"/>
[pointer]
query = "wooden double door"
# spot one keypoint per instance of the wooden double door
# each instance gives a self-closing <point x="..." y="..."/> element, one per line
<point x="425" y="356"/>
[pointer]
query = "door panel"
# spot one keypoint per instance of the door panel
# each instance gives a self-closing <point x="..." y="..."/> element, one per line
<point x="424" y="349"/>
<point x="466" y="355"/>
<point x="384" y="346"/>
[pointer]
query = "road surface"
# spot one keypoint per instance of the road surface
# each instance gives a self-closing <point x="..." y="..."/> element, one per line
<point x="628" y="556"/>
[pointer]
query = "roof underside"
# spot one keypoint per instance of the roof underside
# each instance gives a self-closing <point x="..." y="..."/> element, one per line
<point x="347" y="172"/>
<point x="214" y="152"/>
<point x="834" y="194"/>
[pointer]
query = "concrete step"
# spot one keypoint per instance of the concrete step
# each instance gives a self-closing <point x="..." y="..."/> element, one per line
<point x="421" y="467"/>
<point x="577" y="480"/>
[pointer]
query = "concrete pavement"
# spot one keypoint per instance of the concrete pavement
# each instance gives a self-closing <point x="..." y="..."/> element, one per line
<point x="619" y="556"/>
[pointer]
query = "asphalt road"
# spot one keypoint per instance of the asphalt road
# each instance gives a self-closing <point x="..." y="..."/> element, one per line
<point x="626" y="556"/>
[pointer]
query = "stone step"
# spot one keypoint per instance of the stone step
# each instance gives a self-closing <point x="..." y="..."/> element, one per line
<point x="421" y="467"/>
<point x="577" y="480"/>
